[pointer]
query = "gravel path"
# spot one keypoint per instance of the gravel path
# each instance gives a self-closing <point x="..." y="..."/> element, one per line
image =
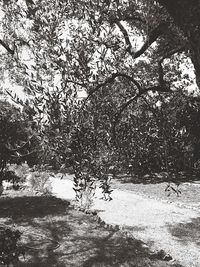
<point x="161" y="225"/>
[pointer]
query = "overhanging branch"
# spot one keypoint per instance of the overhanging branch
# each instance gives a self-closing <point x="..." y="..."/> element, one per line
<point x="153" y="36"/>
<point x="110" y="80"/>
<point x="9" y="50"/>
<point x="129" y="47"/>
<point x="134" y="98"/>
<point x="21" y="147"/>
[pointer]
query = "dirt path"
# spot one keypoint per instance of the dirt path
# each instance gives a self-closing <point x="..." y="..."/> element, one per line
<point x="161" y="225"/>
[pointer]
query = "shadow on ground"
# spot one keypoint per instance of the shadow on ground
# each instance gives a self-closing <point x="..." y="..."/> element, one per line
<point x="187" y="232"/>
<point x="54" y="234"/>
<point x="31" y="206"/>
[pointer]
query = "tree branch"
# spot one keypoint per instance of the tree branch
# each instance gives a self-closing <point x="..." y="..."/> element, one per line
<point x="110" y="80"/>
<point x="174" y="51"/>
<point x="76" y="83"/>
<point x="126" y="17"/>
<point x="129" y="46"/>
<point x="158" y="88"/>
<point x="28" y="154"/>
<point x="21" y="147"/>
<point x="9" y="50"/>
<point x="153" y="36"/>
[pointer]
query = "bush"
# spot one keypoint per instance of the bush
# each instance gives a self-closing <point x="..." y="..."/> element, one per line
<point x="84" y="188"/>
<point x="15" y="174"/>
<point x="11" y="177"/>
<point x="9" y="248"/>
<point x="39" y="181"/>
<point x="16" y="135"/>
<point x="20" y="170"/>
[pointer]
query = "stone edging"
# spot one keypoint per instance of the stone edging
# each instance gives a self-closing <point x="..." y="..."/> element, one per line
<point x="118" y="228"/>
<point x="97" y="218"/>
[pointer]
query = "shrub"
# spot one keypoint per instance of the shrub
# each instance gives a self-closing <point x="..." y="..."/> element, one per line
<point x="11" y="177"/>
<point x="16" y="135"/>
<point x="39" y="181"/>
<point x="20" y="170"/>
<point x="84" y="188"/>
<point x="9" y="247"/>
<point x="15" y="174"/>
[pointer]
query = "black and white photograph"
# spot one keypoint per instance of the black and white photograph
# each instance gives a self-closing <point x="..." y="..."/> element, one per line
<point x="100" y="133"/>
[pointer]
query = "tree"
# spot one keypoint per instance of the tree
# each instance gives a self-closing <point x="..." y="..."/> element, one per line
<point x="121" y="54"/>
<point x="106" y="29"/>
<point x="16" y="136"/>
<point x="186" y="15"/>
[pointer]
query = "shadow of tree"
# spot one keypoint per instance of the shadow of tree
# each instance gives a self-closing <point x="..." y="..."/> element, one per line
<point x="77" y="240"/>
<point x="187" y="232"/>
<point x="31" y="206"/>
<point x="119" y="251"/>
<point x="54" y="234"/>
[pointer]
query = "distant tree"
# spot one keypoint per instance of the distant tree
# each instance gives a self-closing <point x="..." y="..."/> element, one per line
<point x="16" y="136"/>
<point x="125" y="55"/>
<point x="186" y="15"/>
<point x="189" y="117"/>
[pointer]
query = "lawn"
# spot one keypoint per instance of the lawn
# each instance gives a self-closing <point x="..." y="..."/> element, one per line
<point x="154" y="186"/>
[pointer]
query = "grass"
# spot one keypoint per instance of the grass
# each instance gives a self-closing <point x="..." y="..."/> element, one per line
<point x="55" y="234"/>
<point x="155" y="185"/>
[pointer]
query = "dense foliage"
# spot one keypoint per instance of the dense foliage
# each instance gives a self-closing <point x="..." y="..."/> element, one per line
<point x="18" y="143"/>
<point x="10" y="250"/>
<point x="111" y="84"/>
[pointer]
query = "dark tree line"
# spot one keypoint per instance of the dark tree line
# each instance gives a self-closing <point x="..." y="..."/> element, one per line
<point x="134" y="62"/>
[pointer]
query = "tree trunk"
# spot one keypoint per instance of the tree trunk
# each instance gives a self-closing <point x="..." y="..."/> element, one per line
<point x="186" y="14"/>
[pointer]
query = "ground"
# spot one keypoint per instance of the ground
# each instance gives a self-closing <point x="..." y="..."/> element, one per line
<point x="147" y="212"/>
<point x="56" y="234"/>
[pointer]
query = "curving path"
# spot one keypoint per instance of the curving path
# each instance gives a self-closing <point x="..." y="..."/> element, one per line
<point x="161" y="225"/>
